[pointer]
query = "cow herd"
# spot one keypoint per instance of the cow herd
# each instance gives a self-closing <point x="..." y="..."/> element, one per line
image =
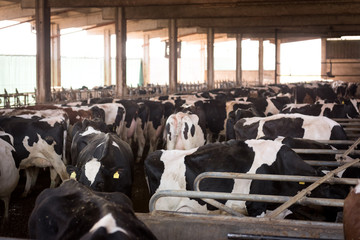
<point x="92" y="147"/>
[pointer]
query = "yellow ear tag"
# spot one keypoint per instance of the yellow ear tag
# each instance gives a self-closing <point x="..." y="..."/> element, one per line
<point x="73" y="175"/>
<point x="342" y="102"/>
<point x="116" y="175"/>
<point x="302" y="183"/>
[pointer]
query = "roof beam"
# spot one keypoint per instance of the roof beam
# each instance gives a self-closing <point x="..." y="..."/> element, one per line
<point x="15" y="11"/>
<point x="273" y="22"/>
<point x="80" y="21"/>
<point x="262" y="10"/>
<point x="137" y="3"/>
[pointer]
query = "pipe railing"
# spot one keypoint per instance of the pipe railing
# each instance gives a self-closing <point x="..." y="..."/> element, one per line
<point x="269" y="177"/>
<point x="240" y="197"/>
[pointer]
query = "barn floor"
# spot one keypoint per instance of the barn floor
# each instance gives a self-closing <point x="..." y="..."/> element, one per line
<point x="20" y="208"/>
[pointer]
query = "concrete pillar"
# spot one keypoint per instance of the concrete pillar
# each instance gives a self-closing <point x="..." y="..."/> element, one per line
<point x="120" y="32"/>
<point x="238" y="60"/>
<point x="43" y="65"/>
<point x="146" y="60"/>
<point x="261" y="61"/>
<point x="323" y="59"/>
<point x="202" y="60"/>
<point x="210" y="59"/>
<point x="277" y="58"/>
<point x="107" y="57"/>
<point x="172" y="56"/>
<point x="55" y="56"/>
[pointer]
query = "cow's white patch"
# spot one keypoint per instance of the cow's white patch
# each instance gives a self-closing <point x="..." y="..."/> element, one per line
<point x="173" y="178"/>
<point x="115" y="144"/>
<point x="265" y="153"/>
<point x="325" y="106"/>
<point x="357" y="188"/>
<point x="41" y="154"/>
<point x="91" y="169"/>
<point x="109" y="223"/>
<point x="270" y="108"/>
<point x="90" y="130"/>
<point x="292" y="106"/>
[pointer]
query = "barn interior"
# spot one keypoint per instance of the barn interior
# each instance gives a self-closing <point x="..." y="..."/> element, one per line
<point x="200" y="22"/>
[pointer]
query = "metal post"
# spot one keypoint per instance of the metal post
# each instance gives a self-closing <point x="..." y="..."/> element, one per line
<point x="120" y="32"/>
<point x="210" y="59"/>
<point x="107" y="57"/>
<point x="172" y="55"/>
<point x="238" y="60"/>
<point x="43" y="59"/>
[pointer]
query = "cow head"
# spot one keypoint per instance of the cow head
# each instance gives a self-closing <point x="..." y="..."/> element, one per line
<point x="105" y="166"/>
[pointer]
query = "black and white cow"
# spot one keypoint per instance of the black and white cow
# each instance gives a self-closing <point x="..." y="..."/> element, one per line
<point x="331" y="110"/>
<point x="289" y="125"/>
<point x="183" y="132"/>
<point x="9" y="172"/>
<point x="73" y="211"/>
<point x="104" y="162"/>
<point x="39" y="142"/>
<point x="177" y="170"/>
<point x="149" y="125"/>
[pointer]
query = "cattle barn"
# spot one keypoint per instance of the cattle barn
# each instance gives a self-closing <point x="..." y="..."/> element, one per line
<point x="181" y="119"/>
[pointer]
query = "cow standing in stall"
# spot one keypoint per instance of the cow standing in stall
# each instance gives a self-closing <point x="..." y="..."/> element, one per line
<point x="177" y="170"/>
<point x="289" y="125"/>
<point x="9" y="171"/>
<point x="101" y="161"/>
<point x="39" y="141"/>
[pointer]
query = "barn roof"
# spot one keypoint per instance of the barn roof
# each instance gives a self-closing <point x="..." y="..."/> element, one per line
<point x="252" y="18"/>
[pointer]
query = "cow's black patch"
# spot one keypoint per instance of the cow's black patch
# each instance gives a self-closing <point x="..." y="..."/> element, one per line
<point x="244" y="132"/>
<point x="186" y="131"/>
<point x="192" y="130"/>
<point x="167" y="127"/>
<point x="289" y="127"/>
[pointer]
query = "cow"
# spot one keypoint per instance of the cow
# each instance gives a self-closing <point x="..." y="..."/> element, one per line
<point x="177" y="170"/>
<point x="149" y="125"/>
<point x="39" y="142"/>
<point x="289" y="125"/>
<point x="183" y="132"/>
<point x="348" y="109"/>
<point x="104" y="162"/>
<point x="9" y="172"/>
<point x="73" y="211"/>
<point x="351" y="214"/>
<point x="79" y="140"/>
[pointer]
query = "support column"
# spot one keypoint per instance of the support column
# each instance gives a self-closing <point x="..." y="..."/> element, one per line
<point x="277" y="58"/>
<point x="55" y="56"/>
<point x="107" y="57"/>
<point x="172" y="56"/>
<point x="146" y="62"/>
<point x="323" y="58"/>
<point x="238" y="60"/>
<point x="120" y="32"/>
<point x="261" y="61"/>
<point x="43" y="66"/>
<point x="202" y="60"/>
<point x="210" y="59"/>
